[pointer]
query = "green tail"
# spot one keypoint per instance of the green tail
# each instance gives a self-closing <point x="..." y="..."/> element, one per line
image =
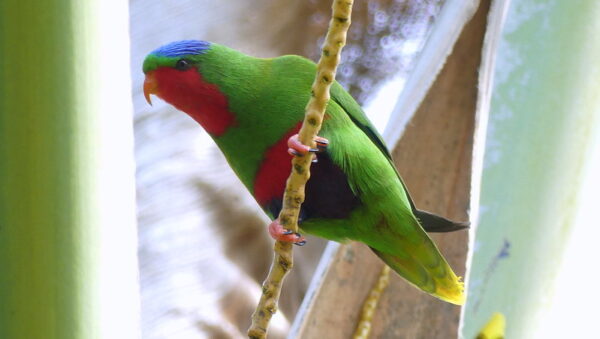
<point x="414" y="256"/>
<point x="439" y="281"/>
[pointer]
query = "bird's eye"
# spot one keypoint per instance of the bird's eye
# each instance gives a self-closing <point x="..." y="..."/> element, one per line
<point x="182" y="65"/>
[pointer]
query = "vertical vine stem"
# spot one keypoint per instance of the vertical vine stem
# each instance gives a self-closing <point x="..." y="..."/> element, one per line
<point x="363" y="329"/>
<point x="294" y="193"/>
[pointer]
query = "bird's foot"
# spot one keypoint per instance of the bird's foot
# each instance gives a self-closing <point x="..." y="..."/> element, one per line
<point x="281" y="234"/>
<point x="298" y="149"/>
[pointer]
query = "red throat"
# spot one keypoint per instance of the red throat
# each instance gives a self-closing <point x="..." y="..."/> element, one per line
<point x="188" y="92"/>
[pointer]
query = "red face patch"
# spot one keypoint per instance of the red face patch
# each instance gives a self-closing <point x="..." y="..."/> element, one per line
<point x="188" y="92"/>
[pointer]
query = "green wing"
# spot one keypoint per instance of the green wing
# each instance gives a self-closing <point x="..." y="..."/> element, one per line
<point x="356" y="114"/>
<point x="429" y="221"/>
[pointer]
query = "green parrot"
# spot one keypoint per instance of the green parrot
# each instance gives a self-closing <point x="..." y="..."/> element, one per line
<point x="253" y="109"/>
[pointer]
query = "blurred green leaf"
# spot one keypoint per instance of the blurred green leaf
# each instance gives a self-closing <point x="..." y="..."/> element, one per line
<point x="543" y="116"/>
<point x="67" y="218"/>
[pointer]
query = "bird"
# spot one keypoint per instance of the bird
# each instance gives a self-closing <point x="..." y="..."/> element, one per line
<point x="253" y="109"/>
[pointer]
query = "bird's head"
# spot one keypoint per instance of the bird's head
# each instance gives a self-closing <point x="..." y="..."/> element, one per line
<point x="177" y="73"/>
<point x="173" y="69"/>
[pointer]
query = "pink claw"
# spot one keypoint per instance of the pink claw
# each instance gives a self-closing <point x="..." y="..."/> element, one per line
<point x="297" y="148"/>
<point x="281" y="234"/>
<point x="321" y="142"/>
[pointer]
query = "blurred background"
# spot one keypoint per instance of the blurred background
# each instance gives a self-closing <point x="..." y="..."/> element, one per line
<point x="505" y="131"/>
<point x="203" y="245"/>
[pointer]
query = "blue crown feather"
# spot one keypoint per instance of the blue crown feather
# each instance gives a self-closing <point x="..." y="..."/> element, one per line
<point x="181" y="48"/>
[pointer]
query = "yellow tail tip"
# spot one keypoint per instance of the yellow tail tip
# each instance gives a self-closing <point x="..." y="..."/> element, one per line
<point x="454" y="294"/>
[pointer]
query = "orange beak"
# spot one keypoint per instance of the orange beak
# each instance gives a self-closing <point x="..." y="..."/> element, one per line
<point x="150" y="86"/>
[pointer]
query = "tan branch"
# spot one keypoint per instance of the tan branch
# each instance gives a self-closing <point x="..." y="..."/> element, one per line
<point x="364" y="324"/>
<point x="294" y="192"/>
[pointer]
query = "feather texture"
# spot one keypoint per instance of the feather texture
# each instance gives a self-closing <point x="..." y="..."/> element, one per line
<point x="182" y="48"/>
